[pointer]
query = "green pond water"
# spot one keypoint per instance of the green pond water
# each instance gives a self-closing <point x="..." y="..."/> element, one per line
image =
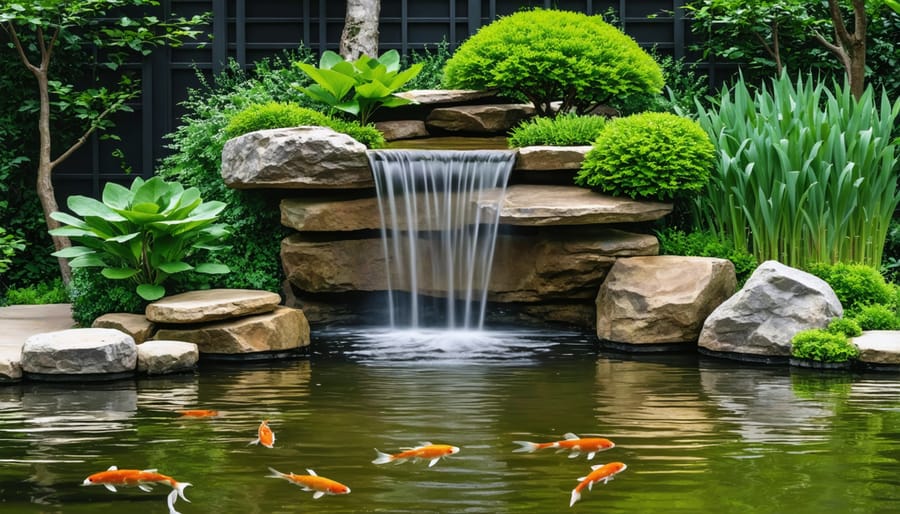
<point x="697" y="434"/>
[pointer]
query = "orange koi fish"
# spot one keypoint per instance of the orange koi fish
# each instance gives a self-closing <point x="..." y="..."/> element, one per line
<point x="426" y="451"/>
<point x="142" y="479"/>
<point x="601" y="473"/>
<point x="264" y="435"/>
<point x="573" y="443"/>
<point x="312" y="482"/>
<point x="198" y="413"/>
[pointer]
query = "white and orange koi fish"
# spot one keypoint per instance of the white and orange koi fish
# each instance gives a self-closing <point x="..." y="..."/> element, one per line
<point x="312" y="482"/>
<point x="601" y="473"/>
<point x="264" y="435"/>
<point x="573" y="443"/>
<point x="425" y="451"/>
<point x="142" y="479"/>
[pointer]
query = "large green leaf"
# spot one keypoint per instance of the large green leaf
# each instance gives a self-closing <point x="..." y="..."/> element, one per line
<point x="87" y="261"/>
<point x="175" y="267"/>
<point x="116" y="196"/>
<point x="84" y="206"/>
<point x="329" y="59"/>
<point x="73" y="251"/>
<point x="153" y="191"/>
<point x="390" y="60"/>
<point x="151" y="292"/>
<point x="68" y="219"/>
<point x="337" y="84"/>
<point x="212" y="268"/>
<point x="119" y="273"/>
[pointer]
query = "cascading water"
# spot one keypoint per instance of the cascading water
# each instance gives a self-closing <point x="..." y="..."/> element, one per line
<point x="437" y="242"/>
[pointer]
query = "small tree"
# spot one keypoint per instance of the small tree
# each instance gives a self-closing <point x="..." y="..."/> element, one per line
<point x="360" y="34"/>
<point x="36" y="28"/>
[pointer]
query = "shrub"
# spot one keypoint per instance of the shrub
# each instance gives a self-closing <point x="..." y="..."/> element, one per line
<point x="877" y="317"/>
<point x="649" y="155"/>
<point x="846" y="326"/>
<point x="433" y="59"/>
<point x="39" y="294"/>
<point x="543" y="56"/>
<point x="855" y="285"/>
<point x="673" y="241"/>
<point x="568" y="129"/>
<point x="93" y="295"/>
<point x="9" y="246"/>
<point x="823" y="346"/>
<point x="271" y="115"/>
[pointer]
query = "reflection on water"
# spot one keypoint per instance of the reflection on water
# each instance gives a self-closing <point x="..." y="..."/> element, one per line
<point x="697" y="434"/>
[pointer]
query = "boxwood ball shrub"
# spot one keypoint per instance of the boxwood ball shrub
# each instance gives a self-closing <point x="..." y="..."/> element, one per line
<point x="650" y="155"/>
<point x="568" y="129"/>
<point x="823" y="346"/>
<point x="546" y="55"/>
<point x="855" y="285"/>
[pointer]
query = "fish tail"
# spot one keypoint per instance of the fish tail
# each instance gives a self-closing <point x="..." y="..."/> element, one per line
<point x="526" y="446"/>
<point x="576" y="495"/>
<point x="179" y="489"/>
<point x="170" y="501"/>
<point x="274" y="473"/>
<point x="382" y="458"/>
<point x="255" y="441"/>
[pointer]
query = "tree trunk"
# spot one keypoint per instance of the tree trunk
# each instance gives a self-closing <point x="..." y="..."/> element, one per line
<point x="360" y="35"/>
<point x="849" y="47"/>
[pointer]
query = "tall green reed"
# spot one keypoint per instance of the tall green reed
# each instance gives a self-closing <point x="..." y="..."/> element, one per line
<point x="804" y="174"/>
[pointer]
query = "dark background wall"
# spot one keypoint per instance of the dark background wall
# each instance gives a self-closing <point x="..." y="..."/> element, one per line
<point x="248" y="30"/>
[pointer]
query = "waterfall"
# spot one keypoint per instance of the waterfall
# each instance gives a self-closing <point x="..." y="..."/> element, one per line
<point x="437" y="239"/>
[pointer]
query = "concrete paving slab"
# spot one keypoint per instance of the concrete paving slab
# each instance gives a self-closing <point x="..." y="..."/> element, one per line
<point x="18" y="322"/>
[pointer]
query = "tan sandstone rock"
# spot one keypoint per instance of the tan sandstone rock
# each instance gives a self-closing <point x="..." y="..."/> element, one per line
<point x="879" y="347"/>
<point x="210" y="305"/>
<point x="540" y="158"/>
<point x="163" y="357"/>
<point x="135" y="325"/>
<point x="402" y="129"/>
<point x="480" y="119"/>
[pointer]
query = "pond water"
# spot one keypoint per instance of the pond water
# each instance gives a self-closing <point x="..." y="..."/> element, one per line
<point x="697" y="434"/>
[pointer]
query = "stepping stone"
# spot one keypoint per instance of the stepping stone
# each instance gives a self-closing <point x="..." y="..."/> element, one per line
<point x="550" y="158"/>
<point x="211" y="305"/>
<point x="879" y="349"/>
<point x="161" y="357"/>
<point x="79" y="354"/>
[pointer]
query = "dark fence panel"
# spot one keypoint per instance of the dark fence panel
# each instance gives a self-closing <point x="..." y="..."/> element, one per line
<point x="248" y="30"/>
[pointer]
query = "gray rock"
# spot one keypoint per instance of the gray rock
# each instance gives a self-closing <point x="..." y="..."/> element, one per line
<point x="135" y="325"/>
<point x="10" y="363"/>
<point x="402" y="129"/>
<point x="79" y="351"/>
<point x="480" y="119"/>
<point x="539" y="158"/>
<point x="879" y="347"/>
<point x="661" y="299"/>
<point x="758" y="322"/>
<point x="211" y="305"/>
<point x="160" y="357"/>
<point x="296" y="158"/>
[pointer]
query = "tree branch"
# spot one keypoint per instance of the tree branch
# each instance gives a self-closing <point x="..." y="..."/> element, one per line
<point x="21" y="51"/>
<point x="84" y="137"/>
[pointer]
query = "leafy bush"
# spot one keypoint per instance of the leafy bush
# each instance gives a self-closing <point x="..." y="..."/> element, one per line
<point x="271" y="115"/>
<point x="823" y="346"/>
<point x="855" y="285"/>
<point x="673" y="241"/>
<point x="568" y="129"/>
<point x="877" y="316"/>
<point x="846" y="326"/>
<point x="39" y="294"/>
<point x="433" y="59"/>
<point x="547" y="55"/>
<point x="93" y="295"/>
<point x="649" y="155"/>
<point x="144" y="234"/>
<point x="9" y="246"/>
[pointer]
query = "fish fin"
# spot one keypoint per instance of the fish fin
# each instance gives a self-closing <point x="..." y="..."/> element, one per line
<point x="110" y="487"/>
<point x="269" y="445"/>
<point x="597" y="466"/>
<point x="317" y="495"/>
<point x="311" y="472"/>
<point x="255" y="441"/>
<point x="170" y="501"/>
<point x="146" y="488"/>
<point x="382" y="458"/>
<point x="525" y="446"/>
<point x="154" y="470"/>
<point x="591" y="455"/>
<point x="180" y="486"/>
<point x="575" y="497"/>
<point x="590" y="486"/>
<point x="574" y="454"/>
<point x="274" y="473"/>
<point x="424" y="443"/>
<point x="434" y="461"/>
<point x="570" y="436"/>
<point x="112" y="468"/>
<point x="581" y="478"/>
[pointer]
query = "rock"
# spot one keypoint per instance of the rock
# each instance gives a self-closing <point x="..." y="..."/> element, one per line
<point x="537" y="205"/>
<point x="581" y="315"/>
<point x="446" y="96"/>
<point x="661" y="299"/>
<point x="135" y="325"/>
<point x="10" y="364"/>
<point x="211" y="305"/>
<point x="330" y="214"/>
<point x="79" y="352"/>
<point x="758" y="322"/>
<point x="539" y="158"/>
<point x="879" y="348"/>
<point x="481" y="119"/>
<point x="160" y="357"/>
<point x="402" y="129"/>
<point x="279" y="332"/>
<point x="296" y="158"/>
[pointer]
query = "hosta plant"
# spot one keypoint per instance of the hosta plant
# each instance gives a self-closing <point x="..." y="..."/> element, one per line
<point x="144" y="234"/>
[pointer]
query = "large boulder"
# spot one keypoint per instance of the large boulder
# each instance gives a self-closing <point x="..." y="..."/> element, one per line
<point x="661" y="299"/>
<point x="758" y="322"/>
<point x="296" y="158"/>
<point x="98" y="353"/>
<point x="164" y="357"/>
<point x="211" y="305"/>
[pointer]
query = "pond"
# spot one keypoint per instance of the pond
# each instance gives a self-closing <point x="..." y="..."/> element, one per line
<point x="697" y="434"/>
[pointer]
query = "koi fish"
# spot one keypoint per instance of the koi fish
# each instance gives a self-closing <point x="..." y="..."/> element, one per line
<point x="264" y="435"/>
<point x="426" y="451"/>
<point x="198" y="413"/>
<point x="312" y="482"/>
<point x="142" y="479"/>
<point x="573" y="443"/>
<point x="601" y="473"/>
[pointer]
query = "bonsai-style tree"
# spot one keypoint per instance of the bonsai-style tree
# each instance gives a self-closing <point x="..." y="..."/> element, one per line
<point x="37" y="28"/>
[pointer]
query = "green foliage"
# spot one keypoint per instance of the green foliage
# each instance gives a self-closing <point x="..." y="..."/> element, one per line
<point x="93" y="295"/>
<point x="568" y="129"/>
<point x="803" y="174"/>
<point x="673" y="241"/>
<point x="9" y="246"/>
<point x="649" y="155"/>
<point x="686" y="85"/>
<point x="877" y="317"/>
<point x="846" y="326"/>
<point x="544" y="56"/>
<point x="823" y="346"/>
<point x="359" y="87"/>
<point x="433" y="59"/>
<point x="271" y="115"/>
<point x="144" y="234"/>
<point x="855" y="285"/>
<point x="42" y="293"/>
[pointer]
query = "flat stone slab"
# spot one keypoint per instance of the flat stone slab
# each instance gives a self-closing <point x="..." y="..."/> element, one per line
<point x="478" y="119"/>
<point x="211" y="305"/>
<point x="879" y="348"/>
<point x="550" y="158"/>
<point x="446" y="96"/>
<point x="135" y="325"/>
<point x="402" y="129"/>
<point x="79" y="352"/>
<point x="160" y="357"/>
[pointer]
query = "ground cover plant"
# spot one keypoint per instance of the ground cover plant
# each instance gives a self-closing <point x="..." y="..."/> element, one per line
<point x="545" y="55"/>
<point x="674" y="241"/>
<point x="567" y="129"/>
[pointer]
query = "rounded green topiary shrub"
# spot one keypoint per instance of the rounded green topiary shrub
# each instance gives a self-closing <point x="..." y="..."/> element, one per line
<point x="271" y="115"/>
<point x="568" y="129"/>
<point x="823" y="346"/>
<point x="649" y="155"/>
<point x="543" y="56"/>
<point x="855" y="285"/>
